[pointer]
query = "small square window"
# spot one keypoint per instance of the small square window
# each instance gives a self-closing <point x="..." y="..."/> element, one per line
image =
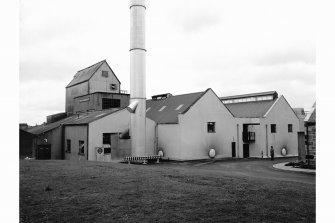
<point x="81" y="147"/>
<point x="290" y="128"/>
<point x="107" y="150"/>
<point x="104" y="73"/>
<point x="273" y="128"/>
<point x="68" y="146"/>
<point x="113" y="86"/>
<point x="211" y="127"/>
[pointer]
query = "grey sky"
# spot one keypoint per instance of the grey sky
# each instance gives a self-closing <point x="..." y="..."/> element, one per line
<point x="233" y="47"/>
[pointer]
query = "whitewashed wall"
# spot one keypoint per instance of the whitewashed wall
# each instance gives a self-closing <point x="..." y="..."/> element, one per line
<point x="282" y="115"/>
<point x="169" y="140"/>
<point x="114" y="123"/>
<point x="190" y="140"/>
<point x="150" y="137"/>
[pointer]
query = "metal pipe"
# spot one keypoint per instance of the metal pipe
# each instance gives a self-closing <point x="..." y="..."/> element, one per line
<point x="137" y="76"/>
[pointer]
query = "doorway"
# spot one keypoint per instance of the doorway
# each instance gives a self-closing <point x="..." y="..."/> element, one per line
<point x="245" y="150"/>
<point x="233" y="149"/>
<point x="44" y="152"/>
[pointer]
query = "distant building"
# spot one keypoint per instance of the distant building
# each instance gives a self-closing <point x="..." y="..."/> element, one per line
<point x="56" y="117"/>
<point x="300" y="112"/>
<point x="310" y="124"/>
<point x="94" y="88"/>
<point x="24" y="126"/>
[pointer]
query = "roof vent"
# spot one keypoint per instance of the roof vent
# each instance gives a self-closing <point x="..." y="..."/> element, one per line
<point x="161" y="96"/>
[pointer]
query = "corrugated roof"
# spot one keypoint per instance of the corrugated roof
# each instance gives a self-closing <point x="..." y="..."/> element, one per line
<point x="169" y="114"/>
<point x="47" y="127"/>
<point x="80" y="119"/>
<point x="248" y="95"/>
<point x="85" y="118"/>
<point x="254" y="109"/>
<point x="85" y="74"/>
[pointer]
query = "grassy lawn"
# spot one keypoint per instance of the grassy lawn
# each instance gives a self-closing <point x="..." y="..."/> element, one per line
<point x="112" y="192"/>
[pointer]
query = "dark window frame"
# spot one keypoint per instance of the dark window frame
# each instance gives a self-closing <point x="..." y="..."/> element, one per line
<point x="113" y="87"/>
<point x="107" y="150"/>
<point x="68" y="145"/>
<point x="104" y="73"/>
<point x="290" y="128"/>
<point x="273" y="128"/>
<point x="211" y="127"/>
<point x="110" y="103"/>
<point x="81" y="150"/>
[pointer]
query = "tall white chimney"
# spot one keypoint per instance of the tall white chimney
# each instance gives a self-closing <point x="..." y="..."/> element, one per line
<point x="137" y="77"/>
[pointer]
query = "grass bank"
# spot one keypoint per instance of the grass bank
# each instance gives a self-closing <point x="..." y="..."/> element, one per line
<point x="64" y="191"/>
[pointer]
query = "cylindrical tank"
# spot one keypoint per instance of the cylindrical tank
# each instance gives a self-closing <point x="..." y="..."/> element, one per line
<point x="137" y="76"/>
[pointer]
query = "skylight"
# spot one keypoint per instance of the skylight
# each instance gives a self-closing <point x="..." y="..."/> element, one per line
<point x="100" y="115"/>
<point x="179" y="107"/>
<point x="162" y="108"/>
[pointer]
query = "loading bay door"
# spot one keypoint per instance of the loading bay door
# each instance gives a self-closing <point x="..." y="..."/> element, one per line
<point x="44" y="152"/>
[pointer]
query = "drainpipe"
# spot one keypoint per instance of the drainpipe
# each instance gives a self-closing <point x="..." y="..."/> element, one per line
<point x="266" y="140"/>
<point x="156" y="138"/>
<point x="238" y="141"/>
<point x="87" y="147"/>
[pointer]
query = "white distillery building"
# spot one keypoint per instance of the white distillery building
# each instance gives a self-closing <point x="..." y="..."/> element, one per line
<point x="263" y="120"/>
<point x="182" y="126"/>
<point x="186" y="127"/>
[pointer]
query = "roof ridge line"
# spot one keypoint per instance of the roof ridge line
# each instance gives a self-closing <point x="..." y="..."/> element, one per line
<point x="247" y="94"/>
<point x="177" y="95"/>
<point x="92" y="65"/>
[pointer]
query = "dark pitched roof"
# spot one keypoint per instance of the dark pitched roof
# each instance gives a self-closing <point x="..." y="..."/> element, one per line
<point x="85" y="118"/>
<point x="80" y="119"/>
<point x="169" y="114"/>
<point x="249" y="95"/>
<point x="46" y="127"/>
<point x="85" y="74"/>
<point x="254" y="109"/>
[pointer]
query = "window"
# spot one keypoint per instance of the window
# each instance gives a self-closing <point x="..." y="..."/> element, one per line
<point x="211" y="127"/>
<point x="113" y="86"/>
<point x="68" y="146"/>
<point x="106" y="138"/>
<point x="290" y="128"/>
<point x="81" y="147"/>
<point x="273" y="128"/>
<point x="104" y="73"/>
<point x="110" y="103"/>
<point x="179" y="107"/>
<point x="107" y="150"/>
